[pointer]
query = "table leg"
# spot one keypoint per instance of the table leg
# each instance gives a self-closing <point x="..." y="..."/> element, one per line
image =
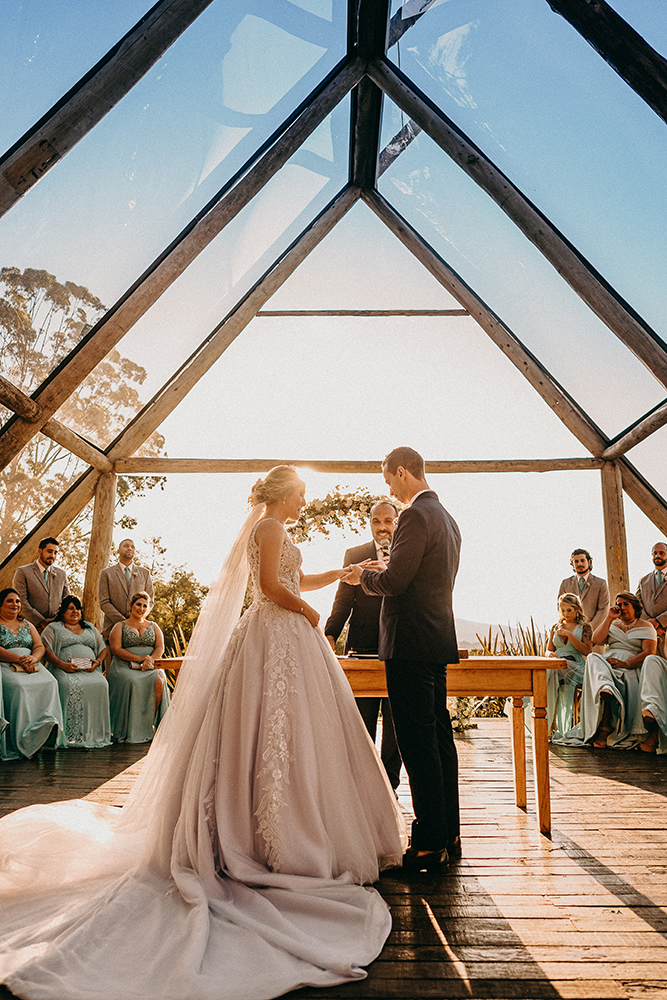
<point x="541" y="751"/>
<point x="518" y="722"/>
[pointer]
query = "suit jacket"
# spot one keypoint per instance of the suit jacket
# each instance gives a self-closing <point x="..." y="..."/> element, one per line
<point x="39" y="601"/>
<point x="595" y="598"/>
<point x="417" y="620"/>
<point x="115" y="592"/>
<point x="654" y="601"/>
<point x="362" y="609"/>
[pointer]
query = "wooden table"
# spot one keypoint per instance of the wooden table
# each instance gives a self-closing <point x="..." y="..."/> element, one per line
<point x="498" y="676"/>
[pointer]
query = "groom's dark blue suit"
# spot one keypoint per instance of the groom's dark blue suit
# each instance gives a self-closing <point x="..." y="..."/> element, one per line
<point x="417" y="641"/>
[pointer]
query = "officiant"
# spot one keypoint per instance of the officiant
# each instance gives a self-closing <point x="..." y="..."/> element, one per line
<point x="362" y="611"/>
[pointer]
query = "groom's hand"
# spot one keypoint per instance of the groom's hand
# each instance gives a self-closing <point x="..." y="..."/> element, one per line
<point x="353" y="573"/>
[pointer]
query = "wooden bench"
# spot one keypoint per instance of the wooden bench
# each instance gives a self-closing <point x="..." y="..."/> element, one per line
<point x="515" y="677"/>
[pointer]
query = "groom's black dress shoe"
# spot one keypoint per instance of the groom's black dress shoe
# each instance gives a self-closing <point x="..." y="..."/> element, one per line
<point x="432" y="861"/>
<point x="454" y="848"/>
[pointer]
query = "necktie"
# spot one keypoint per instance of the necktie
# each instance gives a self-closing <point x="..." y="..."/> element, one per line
<point x="659" y="578"/>
<point x="46" y="577"/>
<point x="582" y="584"/>
<point x="127" y="573"/>
<point x="384" y="550"/>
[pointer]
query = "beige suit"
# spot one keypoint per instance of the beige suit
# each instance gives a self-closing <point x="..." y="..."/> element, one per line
<point x="40" y="600"/>
<point x="654" y="601"/>
<point x="115" y="592"/>
<point x="595" y="598"/>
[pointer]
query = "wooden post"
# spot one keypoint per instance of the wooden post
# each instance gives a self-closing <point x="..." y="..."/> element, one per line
<point x="618" y="576"/>
<point x="101" y="538"/>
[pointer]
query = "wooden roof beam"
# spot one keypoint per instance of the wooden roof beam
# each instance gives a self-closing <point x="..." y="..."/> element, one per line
<point x="618" y="315"/>
<point x="642" y="68"/>
<point x="17" y="401"/>
<point x="77" y="445"/>
<point x="224" y="207"/>
<point x="93" y="96"/>
<point x="167" y="466"/>
<point x="641" y="430"/>
<point x="370" y="40"/>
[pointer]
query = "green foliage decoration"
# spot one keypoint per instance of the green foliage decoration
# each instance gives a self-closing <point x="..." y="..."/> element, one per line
<point x="338" y="509"/>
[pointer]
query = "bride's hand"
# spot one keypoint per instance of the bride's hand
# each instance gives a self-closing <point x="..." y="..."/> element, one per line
<point x="311" y="615"/>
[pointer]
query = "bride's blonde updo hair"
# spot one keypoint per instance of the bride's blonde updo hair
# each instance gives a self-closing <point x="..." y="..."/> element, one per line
<point x="278" y="483"/>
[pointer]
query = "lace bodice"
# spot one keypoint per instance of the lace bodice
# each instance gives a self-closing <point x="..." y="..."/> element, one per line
<point x="288" y="574"/>
<point x="23" y="640"/>
<point x="130" y="637"/>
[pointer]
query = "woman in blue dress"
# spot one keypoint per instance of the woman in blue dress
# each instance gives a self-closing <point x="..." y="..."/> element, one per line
<point x="570" y="639"/>
<point x="76" y="651"/>
<point x="29" y="692"/>
<point x="137" y="688"/>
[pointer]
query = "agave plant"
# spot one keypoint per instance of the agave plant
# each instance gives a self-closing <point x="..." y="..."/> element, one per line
<point x="518" y="641"/>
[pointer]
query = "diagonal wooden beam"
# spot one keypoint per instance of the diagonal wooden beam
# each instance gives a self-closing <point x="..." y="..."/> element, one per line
<point x="177" y="388"/>
<point x="553" y="394"/>
<point x="592" y="288"/>
<point x="644" y="69"/>
<point x="77" y="445"/>
<point x="140" y="429"/>
<point x="93" y="96"/>
<point x="370" y="27"/>
<point x="17" y="401"/>
<point x="656" y="419"/>
<point x="563" y="405"/>
<point x="226" y="205"/>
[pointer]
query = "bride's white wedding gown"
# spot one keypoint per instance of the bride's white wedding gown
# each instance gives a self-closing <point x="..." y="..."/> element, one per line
<point x="239" y="873"/>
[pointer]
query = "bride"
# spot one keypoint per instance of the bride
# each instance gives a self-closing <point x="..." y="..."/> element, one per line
<point x="238" y="868"/>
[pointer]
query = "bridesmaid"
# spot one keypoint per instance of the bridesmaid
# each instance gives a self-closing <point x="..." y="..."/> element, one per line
<point x="570" y="639"/>
<point x="137" y="689"/>
<point x="30" y="692"/>
<point x="84" y="693"/>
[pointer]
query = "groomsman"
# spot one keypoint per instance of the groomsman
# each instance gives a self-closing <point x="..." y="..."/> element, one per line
<point x="119" y="583"/>
<point x="591" y="590"/>
<point x="363" y="613"/>
<point x="417" y="641"/>
<point x="652" y="592"/>
<point x="41" y="585"/>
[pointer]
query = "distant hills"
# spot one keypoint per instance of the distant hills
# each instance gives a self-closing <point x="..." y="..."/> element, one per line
<point x="467" y="632"/>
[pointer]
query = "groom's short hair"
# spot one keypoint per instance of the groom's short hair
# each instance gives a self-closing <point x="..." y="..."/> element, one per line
<point x="406" y="457"/>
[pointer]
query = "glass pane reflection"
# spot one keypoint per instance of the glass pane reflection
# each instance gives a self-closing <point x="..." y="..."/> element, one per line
<point x="103" y="214"/>
<point x="561" y="123"/>
<point x="219" y="277"/>
<point x="46" y="46"/>
<point x="485" y="247"/>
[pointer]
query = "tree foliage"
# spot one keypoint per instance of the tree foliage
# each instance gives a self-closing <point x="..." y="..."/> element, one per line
<point x="41" y="321"/>
<point x="178" y="602"/>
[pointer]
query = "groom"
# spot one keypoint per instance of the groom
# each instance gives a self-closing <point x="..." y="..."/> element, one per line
<point x="417" y="641"/>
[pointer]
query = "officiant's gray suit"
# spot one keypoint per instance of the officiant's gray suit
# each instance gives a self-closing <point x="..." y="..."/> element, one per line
<point x="40" y="600"/>
<point x="594" y="599"/>
<point x="115" y="592"/>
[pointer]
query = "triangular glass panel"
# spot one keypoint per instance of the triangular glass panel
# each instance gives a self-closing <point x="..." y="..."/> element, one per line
<point x="345" y="387"/>
<point x="561" y="124"/>
<point x="103" y="214"/>
<point x="166" y="335"/>
<point x="475" y="237"/>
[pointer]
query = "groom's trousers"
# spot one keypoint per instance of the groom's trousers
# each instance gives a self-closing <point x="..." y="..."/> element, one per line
<point x="418" y="696"/>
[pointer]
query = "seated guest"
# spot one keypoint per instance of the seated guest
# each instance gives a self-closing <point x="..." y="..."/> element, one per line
<point x="570" y="639"/>
<point x="29" y="691"/>
<point x="84" y="692"/>
<point x="654" y="704"/>
<point x="137" y="689"/>
<point x="610" y="703"/>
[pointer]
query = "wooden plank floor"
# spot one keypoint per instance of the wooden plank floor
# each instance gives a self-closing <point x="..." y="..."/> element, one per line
<point x="582" y="914"/>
